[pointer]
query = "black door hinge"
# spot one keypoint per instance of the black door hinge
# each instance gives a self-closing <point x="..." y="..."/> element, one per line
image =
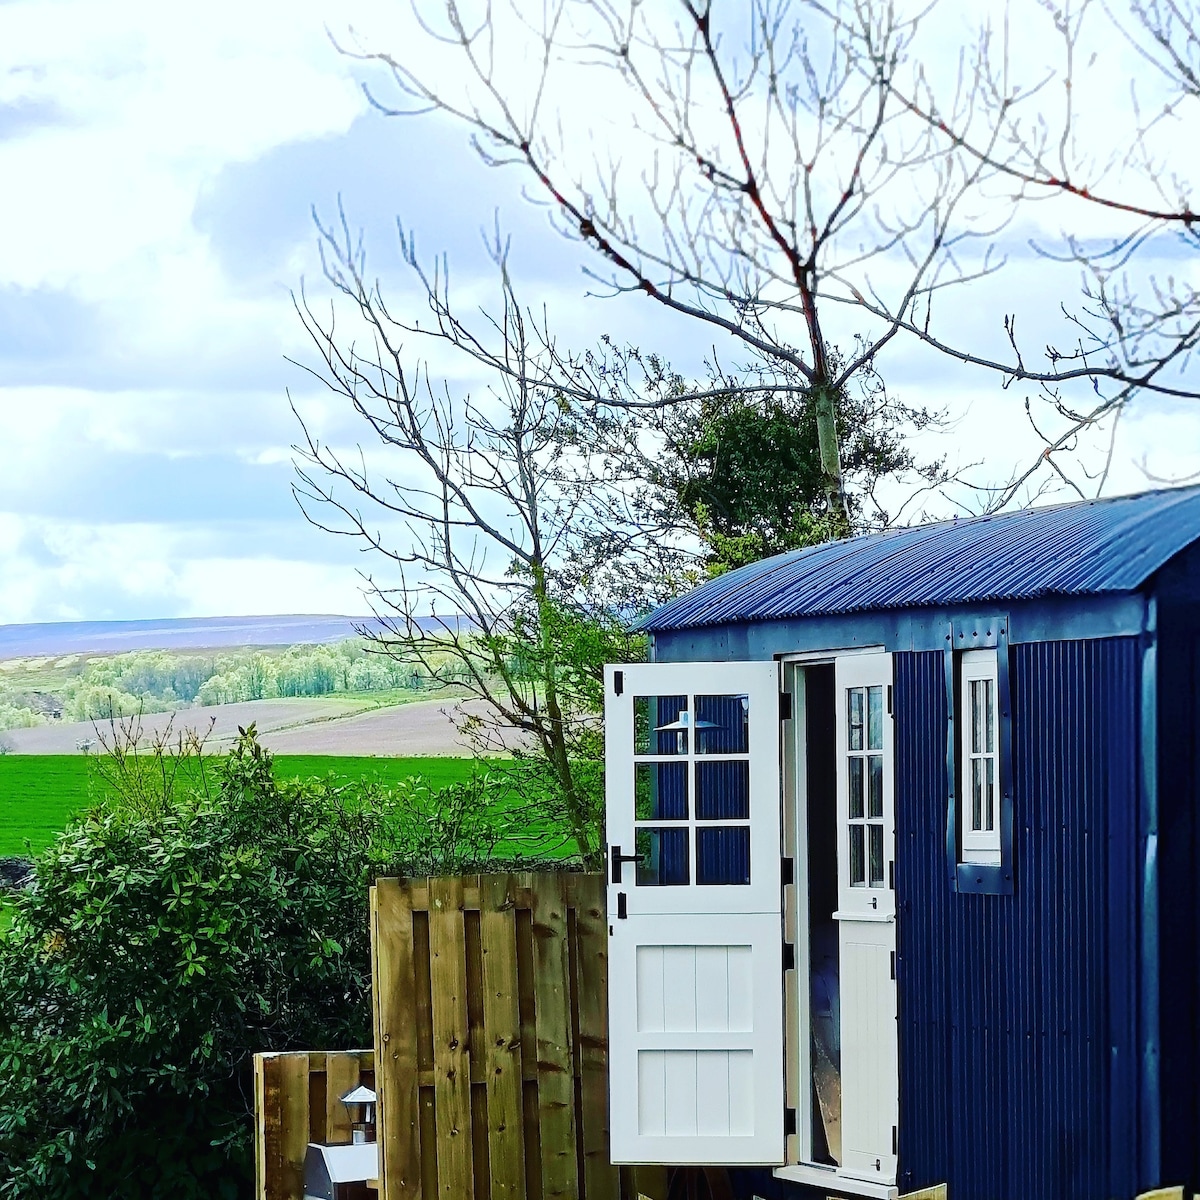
<point x="787" y="871"/>
<point x="618" y="682"/>
<point x="789" y="1122"/>
<point x="789" y="956"/>
<point x="889" y="699"/>
<point x="895" y="1141"/>
<point x="785" y="706"/>
<point x="893" y="964"/>
<point x="622" y="907"/>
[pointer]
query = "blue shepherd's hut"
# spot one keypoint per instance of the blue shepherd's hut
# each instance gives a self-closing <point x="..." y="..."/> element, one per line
<point x="902" y="851"/>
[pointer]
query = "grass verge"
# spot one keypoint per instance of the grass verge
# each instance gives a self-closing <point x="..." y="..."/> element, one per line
<point x="40" y="792"/>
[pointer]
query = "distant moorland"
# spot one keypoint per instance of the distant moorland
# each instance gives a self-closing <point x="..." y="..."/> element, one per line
<point x="81" y="687"/>
<point x="183" y="633"/>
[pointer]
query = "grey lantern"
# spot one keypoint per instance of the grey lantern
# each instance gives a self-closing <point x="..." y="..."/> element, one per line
<point x="681" y="725"/>
<point x="361" y="1102"/>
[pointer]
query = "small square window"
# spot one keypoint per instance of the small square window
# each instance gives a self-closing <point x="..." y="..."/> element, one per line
<point x="979" y="758"/>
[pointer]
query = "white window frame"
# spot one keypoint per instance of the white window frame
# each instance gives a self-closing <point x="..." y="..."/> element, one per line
<point x="978" y="846"/>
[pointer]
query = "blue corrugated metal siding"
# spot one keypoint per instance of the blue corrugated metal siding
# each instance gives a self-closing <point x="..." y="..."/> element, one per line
<point x="1018" y="1013"/>
<point x="1092" y="548"/>
<point x="1179" y="891"/>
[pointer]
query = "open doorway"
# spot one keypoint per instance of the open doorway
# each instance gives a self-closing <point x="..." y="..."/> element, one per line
<point x="839" y="810"/>
<point x="820" y="869"/>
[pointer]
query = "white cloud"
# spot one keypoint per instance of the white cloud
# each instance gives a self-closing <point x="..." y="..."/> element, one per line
<point x="137" y="112"/>
<point x="64" y="570"/>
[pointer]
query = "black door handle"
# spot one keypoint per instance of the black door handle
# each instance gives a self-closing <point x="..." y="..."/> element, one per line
<point x="616" y="858"/>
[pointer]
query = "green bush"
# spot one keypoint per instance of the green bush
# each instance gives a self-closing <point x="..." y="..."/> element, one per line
<point x="156" y="952"/>
<point x="210" y="912"/>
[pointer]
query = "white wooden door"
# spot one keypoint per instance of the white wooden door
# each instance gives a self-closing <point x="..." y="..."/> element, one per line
<point x="867" y="916"/>
<point x="695" y="923"/>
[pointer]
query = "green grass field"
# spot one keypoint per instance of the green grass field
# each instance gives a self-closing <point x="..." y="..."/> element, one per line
<point x="40" y="792"/>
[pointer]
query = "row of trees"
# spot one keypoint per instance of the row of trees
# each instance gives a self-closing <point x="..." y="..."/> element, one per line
<point x="157" y="681"/>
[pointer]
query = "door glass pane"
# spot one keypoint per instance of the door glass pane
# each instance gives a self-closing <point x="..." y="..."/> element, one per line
<point x="875" y="854"/>
<point x="854" y="784"/>
<point x="875" y="718"/>
<point x="722" y="724"/>
<point x="977" y="715"/>
<point x="854" y="717"/>
<point x="662" y="857"/>
<point x="875" y="785"/>
<point x="722" y="790"/>
<point x="660" y="791"/>
<point x="723" y="854"/>
<point x="660" y="724"/>
<point x="989" y="802"/>
<point x="976" y="794"/>
<point x="989" y="716"/>
<point x="858" y="876"/>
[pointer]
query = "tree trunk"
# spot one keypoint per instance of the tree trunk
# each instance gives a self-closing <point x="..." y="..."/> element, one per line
<point x="825" y="398"/>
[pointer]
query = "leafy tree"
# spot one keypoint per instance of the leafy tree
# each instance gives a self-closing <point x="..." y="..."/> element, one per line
<point x="513" y="553"/>
<point x="744" y="466"/>
<point x="19" y="716"/>
<point x="775" y="169"/>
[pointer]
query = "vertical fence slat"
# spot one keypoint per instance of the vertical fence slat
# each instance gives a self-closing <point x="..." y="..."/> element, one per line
<point x="293" y="1105"/>
<point x="452" y="1060"/>
<point x="341" y="1074"/>
<point x="555" y="1074"/>
<point x="502" y="1034"/>
<point x="267" y="1153"/>
<point x="600" y="1181"/>
<point x="395" y="1042"/>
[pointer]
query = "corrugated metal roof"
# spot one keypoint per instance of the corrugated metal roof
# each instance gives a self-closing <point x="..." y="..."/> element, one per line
<point x="1087" y="548"/>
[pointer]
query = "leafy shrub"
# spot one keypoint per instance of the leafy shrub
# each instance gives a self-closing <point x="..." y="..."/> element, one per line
<point x="211" y="911"/>
<point x="489" y="818"/>
<point x="156" y="951"/>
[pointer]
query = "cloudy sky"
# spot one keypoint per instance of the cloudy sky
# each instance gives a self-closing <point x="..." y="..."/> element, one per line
<point x="160" y="165"/>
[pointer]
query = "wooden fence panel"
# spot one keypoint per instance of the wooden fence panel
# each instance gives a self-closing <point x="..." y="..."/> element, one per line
<point x="500" y="1088"/>
<point x="286" y="1120"/>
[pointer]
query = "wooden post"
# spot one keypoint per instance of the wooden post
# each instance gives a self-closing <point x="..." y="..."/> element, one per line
<point x="395" y="1042"/>
<point x="601" y="1181"/>
<point x="502" y="1036"/>
<point x="451" y="1052"/>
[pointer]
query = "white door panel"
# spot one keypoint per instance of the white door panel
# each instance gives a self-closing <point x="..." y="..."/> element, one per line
<point x="869" y="1064"/>
<point x="695" y="947"/>
<point x="695" y="1040"/>
<point x="866" y="916"/>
